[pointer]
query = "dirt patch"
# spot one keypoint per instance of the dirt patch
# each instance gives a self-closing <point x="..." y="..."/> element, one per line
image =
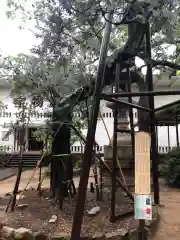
<point x="40" y="210"/>
<point x="169" y="227"/>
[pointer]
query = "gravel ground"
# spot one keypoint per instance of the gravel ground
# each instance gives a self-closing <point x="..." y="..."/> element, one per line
<point x="40" y="210"/>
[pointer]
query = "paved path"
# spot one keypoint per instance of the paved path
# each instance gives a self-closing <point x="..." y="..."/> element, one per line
<point x="8" y="184"/>
<point x="169" y="227"/>
<point x="7" y="172"/>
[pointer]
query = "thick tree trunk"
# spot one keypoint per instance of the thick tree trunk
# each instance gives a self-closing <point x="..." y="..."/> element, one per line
<point x="61" y="166"/>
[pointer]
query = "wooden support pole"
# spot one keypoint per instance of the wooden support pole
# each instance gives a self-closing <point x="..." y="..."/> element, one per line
<point x="39" y="183"/>
<point x="18" y="179"/>
<point x="154" y="157"/>
<point x="80" y="203"/>
<point x="129" y="194"/>
<point x="101" y="180"/>
<point x="169" y="143"/>
<point x="118" y="163"/>
<point x="96" y="176"/>
<point x="177" y="131"/>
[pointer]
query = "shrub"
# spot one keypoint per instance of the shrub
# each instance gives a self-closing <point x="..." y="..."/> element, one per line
<point x="170" y="170"/>
<point x="78" y="164"/>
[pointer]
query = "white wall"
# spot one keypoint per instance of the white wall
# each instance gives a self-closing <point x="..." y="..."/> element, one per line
<point x="162" y="131"/>
<point x="101" y="135"/>
<point x="35" y="120"/>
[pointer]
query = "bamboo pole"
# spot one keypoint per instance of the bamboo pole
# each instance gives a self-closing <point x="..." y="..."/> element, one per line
<point x="31" y="177"/>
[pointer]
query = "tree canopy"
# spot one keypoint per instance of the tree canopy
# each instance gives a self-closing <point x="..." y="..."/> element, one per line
<point x="70" y="34"/>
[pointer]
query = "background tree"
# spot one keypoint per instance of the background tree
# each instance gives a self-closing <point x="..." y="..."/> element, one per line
<point x="70" y="34"/>
<point x="37" y="80"/>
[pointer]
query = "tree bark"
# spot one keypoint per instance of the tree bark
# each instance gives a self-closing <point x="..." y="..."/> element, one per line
<point x="61" y="166"/>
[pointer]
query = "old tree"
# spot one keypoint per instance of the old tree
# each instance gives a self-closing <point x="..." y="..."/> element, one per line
<point x="70" y="35"/>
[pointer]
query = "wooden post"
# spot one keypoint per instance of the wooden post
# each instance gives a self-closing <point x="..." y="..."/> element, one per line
<point x="101" y="180"/>
<point x="169" y="144"/>
<point x="39" y="184"/>
<point x="16" y="187"/>
<point x="154" y="157"/>
<point x="177" y="131"/>
<point x="142" y="177"/>
<point x="157" y="144"/>
<point x="96" y="175"/>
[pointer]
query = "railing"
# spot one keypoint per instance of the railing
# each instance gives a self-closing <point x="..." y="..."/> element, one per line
<point x="37" y="114"/>
<point x="80" y="149"/>
<point x="19" y="114"/>
<point x="6" y="148"/>
<point x="164" y="149"/>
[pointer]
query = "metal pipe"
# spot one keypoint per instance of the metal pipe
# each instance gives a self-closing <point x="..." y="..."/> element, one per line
<point x="138" y="94"/>
<point x="79" y="208"/>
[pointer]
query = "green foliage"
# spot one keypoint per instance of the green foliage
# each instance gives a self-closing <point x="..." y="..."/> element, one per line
<point x="80" y="123"/>
<point x="170" y="169"/>
<point x="70" y="37"/>
<point x="78" y="164"/>
<point x="44" y="135"/>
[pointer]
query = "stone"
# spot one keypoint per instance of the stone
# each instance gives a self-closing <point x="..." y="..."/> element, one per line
<point x="53" y="219"/>
<point x="8" y="194"/>
<point x="22" y="206"/>
<point x="8" y="233"/>
<point x="60" y="238"/>
<point x="23" y="234"/>
<point x="94" y="211"/>
<point x="122" y="231"/>
<point x="20" y="196"/>
<point x="40" y="236"/>
<point x="124" y="152"/>
<point x="99" y="236"/>
<point x="117" y="235"/>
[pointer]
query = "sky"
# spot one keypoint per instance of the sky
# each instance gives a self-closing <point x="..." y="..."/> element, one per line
<point x="12" y="39"/>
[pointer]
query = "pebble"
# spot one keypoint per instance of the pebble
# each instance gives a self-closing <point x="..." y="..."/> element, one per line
<point x="53" y="219"/>
<point x="22" y="206"/>
<point x="94" y="211"/>
<point x="23" y="234"/>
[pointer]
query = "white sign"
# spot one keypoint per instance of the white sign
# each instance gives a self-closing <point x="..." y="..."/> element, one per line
<point x="143" y="207"/>
<point x="142" y="163"/>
